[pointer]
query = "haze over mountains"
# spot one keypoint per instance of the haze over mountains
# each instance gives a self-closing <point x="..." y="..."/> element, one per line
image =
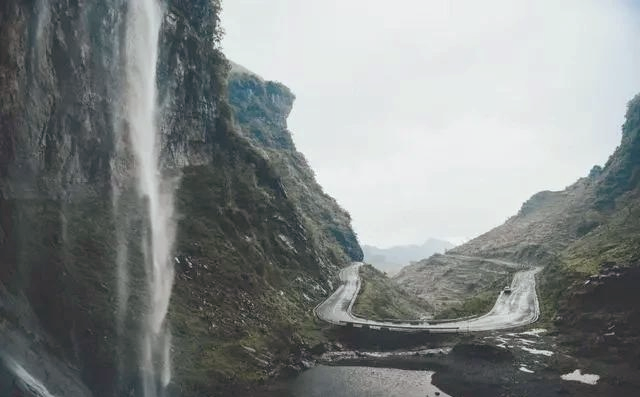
<point x="391" y="259"/>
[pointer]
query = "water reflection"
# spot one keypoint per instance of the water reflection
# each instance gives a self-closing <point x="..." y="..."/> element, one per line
<point x="364" y="381"/>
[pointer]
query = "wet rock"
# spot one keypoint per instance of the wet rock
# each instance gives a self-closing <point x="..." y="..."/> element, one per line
<point x="476" y="351"/>
<point x="319" y="348"/>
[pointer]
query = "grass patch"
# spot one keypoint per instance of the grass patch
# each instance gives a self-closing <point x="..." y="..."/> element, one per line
<point x="380" y="299"/>
<point x="477" y="305"/>
<point x="615" y="241"/>
<point x="552" y="286"/>
<point x="480" y="303"/>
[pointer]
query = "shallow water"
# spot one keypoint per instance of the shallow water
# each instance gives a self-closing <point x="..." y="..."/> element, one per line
<point x="364" y="381"/>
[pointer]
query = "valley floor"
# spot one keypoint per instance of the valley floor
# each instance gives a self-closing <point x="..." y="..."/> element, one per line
<point x="516" y="308"/>
<point x="521" y="363"/>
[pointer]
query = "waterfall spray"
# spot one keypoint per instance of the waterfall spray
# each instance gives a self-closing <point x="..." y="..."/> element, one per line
<point x="144" y="18"/>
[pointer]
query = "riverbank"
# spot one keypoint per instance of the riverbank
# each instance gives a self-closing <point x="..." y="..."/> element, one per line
<point x="521" y="363"/>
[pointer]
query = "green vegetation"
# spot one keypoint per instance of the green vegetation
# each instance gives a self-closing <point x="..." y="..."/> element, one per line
<point x="251" y="263"/>
<point x="456" y="287"/>
<point x="261" y="109"/>
<point x="248" y="277"/>
<point x="474" y="306"/>
<point x="616" y="240"/>
<point x="552" y="285"/>
<point x="258" y="242"/>
<point x="614" y="232"/>
<point x="380" y="299"/>
<point x="479" y="304"/>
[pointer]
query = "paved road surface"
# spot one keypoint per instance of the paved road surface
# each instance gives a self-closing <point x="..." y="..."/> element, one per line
<point x="516" y="309"/>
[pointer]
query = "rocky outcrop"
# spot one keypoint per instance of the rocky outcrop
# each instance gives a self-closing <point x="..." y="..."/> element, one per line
<point x="61" y="73"/>
<point x="249" y="264"/>
<point x="600" y="318"/>
<point x="261" y="109"/>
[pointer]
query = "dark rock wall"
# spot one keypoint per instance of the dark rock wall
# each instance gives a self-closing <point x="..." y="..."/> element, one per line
<point x="248" y="268"/>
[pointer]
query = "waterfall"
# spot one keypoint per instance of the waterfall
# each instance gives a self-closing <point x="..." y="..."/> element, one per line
<point x="139" y="143"/>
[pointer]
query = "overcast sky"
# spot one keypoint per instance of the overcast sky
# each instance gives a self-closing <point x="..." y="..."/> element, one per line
<point x="430" y="118"/>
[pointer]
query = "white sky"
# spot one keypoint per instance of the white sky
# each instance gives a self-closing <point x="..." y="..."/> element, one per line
<point x="430" y="118"/>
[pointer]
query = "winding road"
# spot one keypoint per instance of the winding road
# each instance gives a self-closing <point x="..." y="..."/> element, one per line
<point x="516" y="309"/>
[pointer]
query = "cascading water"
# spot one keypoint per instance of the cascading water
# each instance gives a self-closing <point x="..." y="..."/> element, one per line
<point x="140" y="141"/>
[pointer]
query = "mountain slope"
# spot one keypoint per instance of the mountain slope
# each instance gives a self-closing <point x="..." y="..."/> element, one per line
<point x="261" y="109"/>
<point x="547" y="223"/>
<point x="573" y="232"/>
<point x="445" y="281"/>
<point x="380" y="299"/>
<point x="249" y="266"/>
<point x="591" y="222"/>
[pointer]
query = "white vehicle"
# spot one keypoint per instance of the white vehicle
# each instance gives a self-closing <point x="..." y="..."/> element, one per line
<point x="507" y="290"/>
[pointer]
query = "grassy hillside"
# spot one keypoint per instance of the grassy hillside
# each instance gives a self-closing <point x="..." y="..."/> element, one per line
<point x="447" y="282"/>
<point x="575" y="233"/>
<point x="592" y="225"/>
<point x="380" y="299"/>
<point x="248" y="279"/>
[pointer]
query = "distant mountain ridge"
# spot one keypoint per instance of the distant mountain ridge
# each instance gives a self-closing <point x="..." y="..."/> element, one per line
<point x="393" y="258"/>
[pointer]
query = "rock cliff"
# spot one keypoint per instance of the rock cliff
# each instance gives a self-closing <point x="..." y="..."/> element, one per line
<point x="252" y="256"/>
<point x="261" y="109"/>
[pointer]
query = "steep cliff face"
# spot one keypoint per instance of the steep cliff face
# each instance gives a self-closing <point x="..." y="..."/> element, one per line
<point x="62" y="77"/>
<point x="249" y="265"/>
<point x="261" y="109"/>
